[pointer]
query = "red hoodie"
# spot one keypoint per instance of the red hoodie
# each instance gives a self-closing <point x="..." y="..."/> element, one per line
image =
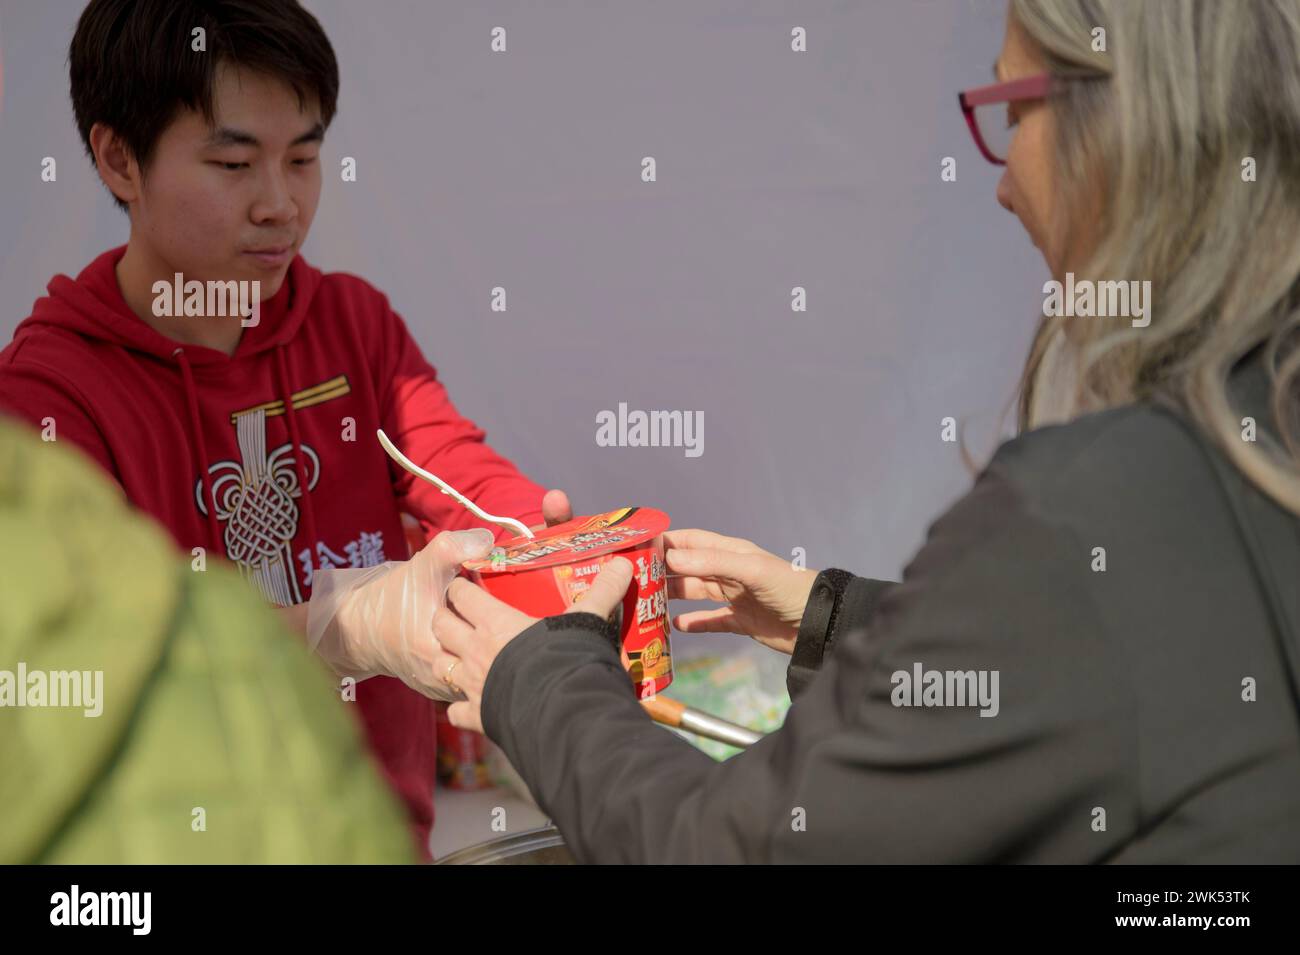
<point x="210" y="445"/>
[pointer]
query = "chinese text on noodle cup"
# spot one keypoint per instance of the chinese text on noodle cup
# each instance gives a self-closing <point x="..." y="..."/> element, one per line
<point x="548" y="574"/>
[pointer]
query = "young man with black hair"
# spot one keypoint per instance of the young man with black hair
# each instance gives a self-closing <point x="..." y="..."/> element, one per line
<point x="247" y="430"/>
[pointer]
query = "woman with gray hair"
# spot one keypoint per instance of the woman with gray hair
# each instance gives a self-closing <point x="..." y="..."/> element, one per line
<point x="1094" y="656"/>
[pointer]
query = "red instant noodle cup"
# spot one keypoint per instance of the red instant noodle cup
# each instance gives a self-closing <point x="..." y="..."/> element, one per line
<point x="548" y="574"/>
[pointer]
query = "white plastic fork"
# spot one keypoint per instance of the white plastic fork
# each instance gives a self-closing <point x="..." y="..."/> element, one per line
<point x="447" y="489"/>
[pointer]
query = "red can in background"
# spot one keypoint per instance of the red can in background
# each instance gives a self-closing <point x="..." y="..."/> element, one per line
<point x="548" y="574"/>
<point x="462" y="755"/>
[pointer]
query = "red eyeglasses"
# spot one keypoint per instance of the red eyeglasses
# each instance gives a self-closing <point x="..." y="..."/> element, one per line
<point x="985" y="110"/>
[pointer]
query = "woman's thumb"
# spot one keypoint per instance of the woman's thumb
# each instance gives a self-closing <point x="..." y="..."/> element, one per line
<point x="607" y="590"/>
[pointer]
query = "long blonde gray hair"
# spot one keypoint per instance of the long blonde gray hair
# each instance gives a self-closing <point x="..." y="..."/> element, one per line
<point x="1156" y="137"/>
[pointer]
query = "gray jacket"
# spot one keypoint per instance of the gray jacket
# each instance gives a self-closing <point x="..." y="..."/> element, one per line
<point x="1145" y="712"/>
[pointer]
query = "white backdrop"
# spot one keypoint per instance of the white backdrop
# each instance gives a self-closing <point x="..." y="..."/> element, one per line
<point x="523" y="170"/>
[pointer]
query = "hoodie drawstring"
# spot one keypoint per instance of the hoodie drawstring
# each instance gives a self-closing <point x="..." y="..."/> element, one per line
<point x="309" y="514"/>
<point x="192" y="405"/>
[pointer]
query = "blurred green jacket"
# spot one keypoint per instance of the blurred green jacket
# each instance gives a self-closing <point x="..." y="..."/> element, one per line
<point x="218" y="739"/>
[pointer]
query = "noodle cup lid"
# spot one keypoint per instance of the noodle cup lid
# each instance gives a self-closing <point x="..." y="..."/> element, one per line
<point x="579" y="539"/>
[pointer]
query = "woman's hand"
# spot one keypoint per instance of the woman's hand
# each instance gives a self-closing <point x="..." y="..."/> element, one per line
<point x="474" y="627"/>
<point x="765" y="595"/>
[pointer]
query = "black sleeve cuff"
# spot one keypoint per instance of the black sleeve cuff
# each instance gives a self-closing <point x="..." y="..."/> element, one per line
<point x="839" y="602"/>
<point x="493" y="705"/>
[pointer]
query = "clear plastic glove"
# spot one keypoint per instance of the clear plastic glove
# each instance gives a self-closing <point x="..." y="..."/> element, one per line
<point x="374" y="621"/>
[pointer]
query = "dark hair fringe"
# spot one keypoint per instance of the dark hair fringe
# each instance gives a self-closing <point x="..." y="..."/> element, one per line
<point x="132" y="68"/>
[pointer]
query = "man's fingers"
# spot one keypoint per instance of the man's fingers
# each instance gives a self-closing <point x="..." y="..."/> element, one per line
<point x="450" y="548"/>
<point x="556" y="508"/>
<point x="721" y="620"/>
<point x="607" y="590"/>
